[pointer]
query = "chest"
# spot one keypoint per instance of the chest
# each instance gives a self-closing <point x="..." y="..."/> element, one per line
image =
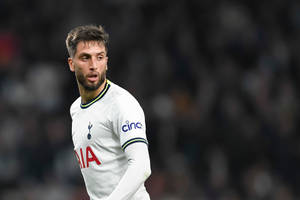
<point x="92" y="127"/>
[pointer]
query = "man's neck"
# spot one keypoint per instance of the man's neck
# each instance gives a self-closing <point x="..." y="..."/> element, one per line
<point x="87" y="95"/>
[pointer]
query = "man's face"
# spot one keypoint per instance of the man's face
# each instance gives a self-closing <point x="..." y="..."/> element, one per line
<point x="89" y="64"/>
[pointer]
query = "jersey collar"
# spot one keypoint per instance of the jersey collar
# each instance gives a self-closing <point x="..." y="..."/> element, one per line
<point x="99" y="96"/>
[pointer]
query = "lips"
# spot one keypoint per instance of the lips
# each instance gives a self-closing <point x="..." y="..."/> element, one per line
<point x="92" y="77"/>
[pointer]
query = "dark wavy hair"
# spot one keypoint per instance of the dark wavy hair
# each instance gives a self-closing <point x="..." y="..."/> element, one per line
<point x="86" y="33"/>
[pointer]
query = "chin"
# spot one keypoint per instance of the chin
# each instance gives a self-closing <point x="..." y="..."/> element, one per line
<point x="93" y="87"/>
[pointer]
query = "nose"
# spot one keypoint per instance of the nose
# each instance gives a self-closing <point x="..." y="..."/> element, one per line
<point x="93" y="64"/>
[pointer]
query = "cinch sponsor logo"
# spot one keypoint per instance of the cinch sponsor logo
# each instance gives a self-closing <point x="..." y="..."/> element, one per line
<point x="129" y="126"/>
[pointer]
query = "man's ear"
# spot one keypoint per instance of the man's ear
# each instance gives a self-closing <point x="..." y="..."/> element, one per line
<point x="71" y="64"/>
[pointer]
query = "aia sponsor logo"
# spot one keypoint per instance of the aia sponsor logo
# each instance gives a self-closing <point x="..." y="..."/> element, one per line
<point x="85" y="156"/>
<point x="131" y="125"/>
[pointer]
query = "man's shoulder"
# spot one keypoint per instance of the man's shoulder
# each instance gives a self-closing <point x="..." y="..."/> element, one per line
<point x="118" y="90"/>
<point x="121" y="96"/>
<point x="75" y="106"/>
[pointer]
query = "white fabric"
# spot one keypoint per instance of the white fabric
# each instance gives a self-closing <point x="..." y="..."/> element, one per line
<point x="114" y="120"/>
<point x="138" y="171"/>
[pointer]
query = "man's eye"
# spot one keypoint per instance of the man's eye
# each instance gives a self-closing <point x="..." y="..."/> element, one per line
<point x="100" y="57"/>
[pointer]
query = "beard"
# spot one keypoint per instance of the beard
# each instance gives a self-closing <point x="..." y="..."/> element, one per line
<point x="82" y="80"/>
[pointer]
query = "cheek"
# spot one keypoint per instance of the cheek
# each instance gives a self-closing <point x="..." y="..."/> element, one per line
<point x="78" y="70"/>
<point x="79" y="67"/>
<point x="79" y="75"/>
<point x="103" y="65"/>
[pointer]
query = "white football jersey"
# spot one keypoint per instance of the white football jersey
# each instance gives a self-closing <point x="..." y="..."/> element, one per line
<point x="101" y="131"/>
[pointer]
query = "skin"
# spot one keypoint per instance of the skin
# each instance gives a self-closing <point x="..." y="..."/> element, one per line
<point x="90" y="65"/>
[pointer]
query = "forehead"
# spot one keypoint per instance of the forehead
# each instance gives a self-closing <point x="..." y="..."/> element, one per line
<point x="90" y="47"/>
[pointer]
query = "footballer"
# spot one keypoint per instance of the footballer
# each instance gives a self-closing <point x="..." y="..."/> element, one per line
<point x="108" y="123"/>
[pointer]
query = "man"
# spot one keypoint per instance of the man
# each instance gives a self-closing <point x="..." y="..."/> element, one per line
<point x="108" y="124"/>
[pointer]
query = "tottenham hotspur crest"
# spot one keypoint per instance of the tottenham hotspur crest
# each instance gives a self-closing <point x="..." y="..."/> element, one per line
<point x="89" y="136"/>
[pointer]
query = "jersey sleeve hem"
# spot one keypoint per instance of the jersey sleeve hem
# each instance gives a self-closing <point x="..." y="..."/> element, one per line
<point x="134" y="140"/>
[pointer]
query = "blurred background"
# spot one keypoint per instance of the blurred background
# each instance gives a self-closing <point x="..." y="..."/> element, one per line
<point x="218" y="81"/>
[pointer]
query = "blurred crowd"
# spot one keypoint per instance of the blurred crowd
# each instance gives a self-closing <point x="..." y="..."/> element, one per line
<point x="218" y="81"/>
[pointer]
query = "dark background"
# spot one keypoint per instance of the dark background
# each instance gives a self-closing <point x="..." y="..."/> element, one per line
<point x="218" y="81"/>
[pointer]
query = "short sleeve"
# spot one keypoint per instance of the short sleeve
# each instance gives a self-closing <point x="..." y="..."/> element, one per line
<point x="129" y="122"/>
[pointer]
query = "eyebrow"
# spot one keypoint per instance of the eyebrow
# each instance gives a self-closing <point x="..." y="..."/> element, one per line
<point x="87" y="54"/>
